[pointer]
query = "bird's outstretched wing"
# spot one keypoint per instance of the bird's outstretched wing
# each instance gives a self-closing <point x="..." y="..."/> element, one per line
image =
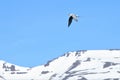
<point x="70" y="20"/>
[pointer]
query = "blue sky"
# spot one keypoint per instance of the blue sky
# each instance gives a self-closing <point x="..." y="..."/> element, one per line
<point x="35" y="31"/>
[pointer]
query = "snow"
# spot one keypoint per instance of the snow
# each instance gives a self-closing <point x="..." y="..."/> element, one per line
<point x="84" y="64"/>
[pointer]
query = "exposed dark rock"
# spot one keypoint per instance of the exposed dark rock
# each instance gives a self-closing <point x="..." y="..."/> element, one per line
<point x="48" y="63"/>
<point x="8" y="68"/>
<point x="82" y="78"/>
<point x="104" y="72"/>
<point x="113" y="49"/>
<point x="116" y="79"/>
<point x="112" y="79"/>
<point x="107" y="79"/>
<point x="71" y="75"/>
<point x="88" y="59"/>
<point x="73" y="72"/>
<point x="54" y="75"/>
<point x="21" y="72"/>
<point x="13" y="72"/>
<point x="1" y="77"/>
<point x="12" y="68"/>
<point x="87" y="73"/>
<point x="107" y="64"/>
<point x="67" y="77"/>
<point x="118" y="71"/>
<point x="44" y="72"/>
<point x="78" y="53"/>
<point x="67" y="54"/>
<point x="4" y="66"/>
<point x="75" y="64"/>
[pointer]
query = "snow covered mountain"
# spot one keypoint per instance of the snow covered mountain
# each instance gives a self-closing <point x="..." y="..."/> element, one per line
<point x="77" y="65"/>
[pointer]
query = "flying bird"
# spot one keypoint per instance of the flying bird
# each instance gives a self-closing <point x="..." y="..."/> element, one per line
<point x="71" y="17"/>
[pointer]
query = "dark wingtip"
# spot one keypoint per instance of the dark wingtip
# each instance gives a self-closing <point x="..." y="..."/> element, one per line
<point x="68" y="25"/>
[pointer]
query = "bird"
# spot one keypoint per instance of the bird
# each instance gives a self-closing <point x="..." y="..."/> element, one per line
<point x="71" y="17"/>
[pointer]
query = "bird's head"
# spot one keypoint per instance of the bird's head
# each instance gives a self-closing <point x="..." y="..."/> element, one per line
<point x="70" y="14"/>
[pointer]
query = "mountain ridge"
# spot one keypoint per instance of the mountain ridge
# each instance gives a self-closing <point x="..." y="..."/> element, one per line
<point x="75" y="65"/>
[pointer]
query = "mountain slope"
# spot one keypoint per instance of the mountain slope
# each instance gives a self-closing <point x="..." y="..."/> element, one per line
<point x="77" y="65"/>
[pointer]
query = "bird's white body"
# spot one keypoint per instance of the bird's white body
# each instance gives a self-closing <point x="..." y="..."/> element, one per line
<point x="75" y="17"/>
